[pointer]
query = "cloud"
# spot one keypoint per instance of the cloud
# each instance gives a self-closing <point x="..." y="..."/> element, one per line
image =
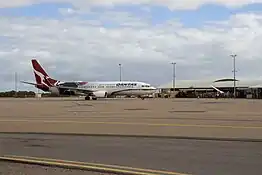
<point x="15" y="3"/>
<point x="91" y="49"/>
<point x="178" y="4"/>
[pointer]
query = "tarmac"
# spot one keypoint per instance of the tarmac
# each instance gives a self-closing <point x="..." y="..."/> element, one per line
<point x="191" y="136"/>
<point x="24" y="169"/>
<point x="199" y="157"/>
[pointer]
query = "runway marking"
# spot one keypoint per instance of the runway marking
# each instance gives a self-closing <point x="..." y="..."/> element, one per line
<point x="141" y="124"/>
<point x="86" y="165"/>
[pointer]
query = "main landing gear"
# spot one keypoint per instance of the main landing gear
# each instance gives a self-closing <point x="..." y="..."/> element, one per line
<point x="90" y="97"/>
<point x="142" y="97"/>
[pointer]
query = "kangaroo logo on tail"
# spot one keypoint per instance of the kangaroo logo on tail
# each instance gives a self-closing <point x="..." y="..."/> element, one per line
<point x="42" y="77"/>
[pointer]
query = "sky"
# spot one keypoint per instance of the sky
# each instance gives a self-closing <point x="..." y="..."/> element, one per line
<point x="88" y="39"/>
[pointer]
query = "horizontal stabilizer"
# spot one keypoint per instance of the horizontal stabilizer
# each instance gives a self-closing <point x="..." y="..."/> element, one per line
<point x="30" y="83"/>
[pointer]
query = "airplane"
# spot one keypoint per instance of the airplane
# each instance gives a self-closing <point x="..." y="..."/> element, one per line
<point x="91" y="90"/>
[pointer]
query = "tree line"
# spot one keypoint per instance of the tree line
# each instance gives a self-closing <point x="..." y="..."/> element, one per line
<point x="17" y="94"/>
<point x="24" y="94"/>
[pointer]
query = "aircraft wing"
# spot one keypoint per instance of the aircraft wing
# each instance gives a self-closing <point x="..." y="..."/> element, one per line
<point x="75" y="89"/>
<point x="64" y="87"/>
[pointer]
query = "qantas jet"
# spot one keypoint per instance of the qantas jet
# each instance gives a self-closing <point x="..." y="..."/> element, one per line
<point x="92" y="90"/>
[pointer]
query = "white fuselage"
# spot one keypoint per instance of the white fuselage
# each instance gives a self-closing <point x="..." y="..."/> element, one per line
<point x="89" y="89"/>
<point x="119" y="87"/>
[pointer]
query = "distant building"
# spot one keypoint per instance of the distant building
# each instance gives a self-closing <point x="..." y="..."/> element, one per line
<point x="251" y="88"/>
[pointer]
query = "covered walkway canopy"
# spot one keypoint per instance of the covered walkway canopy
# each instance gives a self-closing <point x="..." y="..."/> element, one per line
<point x="219" y="83"/>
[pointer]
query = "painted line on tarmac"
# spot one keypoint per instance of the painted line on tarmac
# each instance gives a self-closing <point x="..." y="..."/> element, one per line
<point x="226" y="139"/>
<point x="99" y="164"/>
<point x="85" y="166"/>
<point x="136" y="124"/>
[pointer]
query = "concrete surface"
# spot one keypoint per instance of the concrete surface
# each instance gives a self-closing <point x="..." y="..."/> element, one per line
<point x="23" y="169"/>
<point x="208" y="118"/>
<point x="224" y="118"/>
<point x="194" y="157"/>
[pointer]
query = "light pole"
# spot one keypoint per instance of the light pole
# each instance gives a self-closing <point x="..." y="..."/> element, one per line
<point x="234" y="72"/>
<point x="174" y="75"/>
<point x="15" y="84"/>
<point x="120" y="72"/>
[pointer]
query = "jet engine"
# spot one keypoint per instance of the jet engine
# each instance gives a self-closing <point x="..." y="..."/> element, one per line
<point x="100" y="94"/>
<point x="68" y="92"/>
<point x="54" y="90"/>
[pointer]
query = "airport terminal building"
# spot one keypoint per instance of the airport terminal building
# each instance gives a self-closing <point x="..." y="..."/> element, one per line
<point x="245" y="88"/>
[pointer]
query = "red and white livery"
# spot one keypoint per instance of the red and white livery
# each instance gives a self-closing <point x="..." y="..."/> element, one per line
<point x="94" y="90"/>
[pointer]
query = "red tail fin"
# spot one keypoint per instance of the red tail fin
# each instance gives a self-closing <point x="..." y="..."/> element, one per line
<point x="41" y="76"/>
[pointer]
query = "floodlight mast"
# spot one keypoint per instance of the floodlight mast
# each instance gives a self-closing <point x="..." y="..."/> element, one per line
<point x="234" y="72"/>
<point x="120" y="72"/>
<point x="174" y="75"/>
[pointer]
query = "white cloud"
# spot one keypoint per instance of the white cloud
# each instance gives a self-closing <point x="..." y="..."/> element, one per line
<point x="16" y="3"/>
<point x="67" y="11"/>
<point x="80" y="50"/>
<point x="172" y="4"/>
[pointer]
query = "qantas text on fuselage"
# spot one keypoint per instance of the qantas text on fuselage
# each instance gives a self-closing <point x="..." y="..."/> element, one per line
<point x="92" y="90"/>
